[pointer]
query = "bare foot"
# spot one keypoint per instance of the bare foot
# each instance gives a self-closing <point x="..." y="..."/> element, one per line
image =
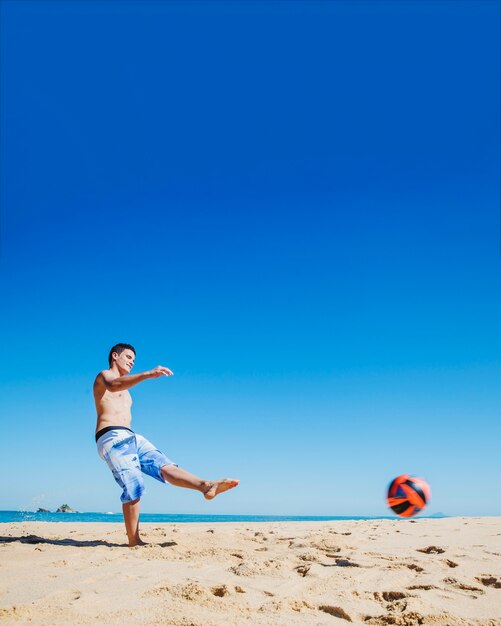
<point x="138" y="542"/>
<point x="218" y="486"/>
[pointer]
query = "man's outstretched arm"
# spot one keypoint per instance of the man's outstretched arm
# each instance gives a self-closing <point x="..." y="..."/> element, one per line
<point x="126" y="382"/>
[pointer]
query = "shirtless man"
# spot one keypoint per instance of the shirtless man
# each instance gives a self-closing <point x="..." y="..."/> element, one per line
<point x="128" y="454"/>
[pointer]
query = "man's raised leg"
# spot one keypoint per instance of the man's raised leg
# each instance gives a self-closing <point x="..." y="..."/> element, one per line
<point x="210" y="488"/>
<point x="131" y="517"/>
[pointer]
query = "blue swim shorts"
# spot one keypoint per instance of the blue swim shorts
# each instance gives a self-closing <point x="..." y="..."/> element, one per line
<point x="128" y="456"/>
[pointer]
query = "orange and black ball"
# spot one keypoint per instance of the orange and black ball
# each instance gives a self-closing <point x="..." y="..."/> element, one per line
<point x="407" y="495"/>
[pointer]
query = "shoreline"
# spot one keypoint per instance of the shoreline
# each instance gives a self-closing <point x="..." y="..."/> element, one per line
<point x="440" y="571"/>
<point x="112" y="516"/>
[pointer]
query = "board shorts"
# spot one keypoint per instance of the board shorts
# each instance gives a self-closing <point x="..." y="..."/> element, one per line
<point x="129" y="456"/>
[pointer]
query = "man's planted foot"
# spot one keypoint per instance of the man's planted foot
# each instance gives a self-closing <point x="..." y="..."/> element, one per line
<point x="216" y="487"/>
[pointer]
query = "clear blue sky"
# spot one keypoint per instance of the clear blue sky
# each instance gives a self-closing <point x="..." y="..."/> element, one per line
<point x="295" y="207"/>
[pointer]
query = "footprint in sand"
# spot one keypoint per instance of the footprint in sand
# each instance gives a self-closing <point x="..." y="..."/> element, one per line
<point x="220" y="591"/>
<point x="330" y="555"/>
<point x="335" y="611"/>
<point x="309" y="557"/>
<point x="394" y="601"/>
<point x="407" y="619"/>
<point x="275" y="606"/>
<point x="157" y="591"/>
<point x="271" y="564"/>
<point x="490" y="581"/>
<point x="415" y="567"/>
<point x="389" y="596"/>
<point x="431" y="550"/>
<point x="302" y="570"/>
<point x="325" y="546"/>
<point x="243" y="569"/>
<point x="297" y="605"/>
<point x="193" y="591"/>
<point x="462" y="586"/>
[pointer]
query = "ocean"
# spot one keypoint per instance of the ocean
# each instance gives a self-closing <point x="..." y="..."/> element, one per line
<point x="164" y="518"/>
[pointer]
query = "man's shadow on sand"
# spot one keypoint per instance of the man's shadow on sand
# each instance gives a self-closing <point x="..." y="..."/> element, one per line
<point x="34" y="539"/>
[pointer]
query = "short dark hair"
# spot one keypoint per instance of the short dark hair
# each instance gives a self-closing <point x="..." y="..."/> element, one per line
<point x="119" y="348"/>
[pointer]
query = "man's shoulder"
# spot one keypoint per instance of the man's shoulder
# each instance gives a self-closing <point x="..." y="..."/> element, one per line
<point x="104" y="375"/>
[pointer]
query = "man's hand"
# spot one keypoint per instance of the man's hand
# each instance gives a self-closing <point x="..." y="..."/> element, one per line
<point x="160" y="370"/>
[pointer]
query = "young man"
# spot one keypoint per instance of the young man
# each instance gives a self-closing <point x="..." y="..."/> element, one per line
<point x="128" y="454"/>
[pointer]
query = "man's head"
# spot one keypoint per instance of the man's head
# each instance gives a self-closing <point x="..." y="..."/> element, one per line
<point x="123" y="354"/>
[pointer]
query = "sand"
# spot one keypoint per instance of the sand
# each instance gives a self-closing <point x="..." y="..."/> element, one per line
<point x="426" y="571"/>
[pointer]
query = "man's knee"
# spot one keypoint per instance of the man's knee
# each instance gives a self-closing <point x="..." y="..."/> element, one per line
<point x="131" y="503"/>
<point x="168" y="470"/>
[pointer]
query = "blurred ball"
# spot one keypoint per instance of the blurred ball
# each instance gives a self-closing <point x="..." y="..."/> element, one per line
<point x="407" y="495"/>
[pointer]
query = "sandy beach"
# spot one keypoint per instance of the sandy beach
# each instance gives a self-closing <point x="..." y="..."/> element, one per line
<point x="425" y="571"/>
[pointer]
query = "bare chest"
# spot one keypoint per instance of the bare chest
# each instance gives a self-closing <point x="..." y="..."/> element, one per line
<point x="118" y="401"/>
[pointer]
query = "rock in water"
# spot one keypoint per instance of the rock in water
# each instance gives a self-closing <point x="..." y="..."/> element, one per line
<point x="65" y="508"/>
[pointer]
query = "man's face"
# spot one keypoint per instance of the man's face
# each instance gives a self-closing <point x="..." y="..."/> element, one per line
<point x="125" y="361"/>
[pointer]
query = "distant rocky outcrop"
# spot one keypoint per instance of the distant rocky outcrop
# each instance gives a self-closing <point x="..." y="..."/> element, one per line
<point x="40" y="510"/>
<point x="65" y="508"/>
